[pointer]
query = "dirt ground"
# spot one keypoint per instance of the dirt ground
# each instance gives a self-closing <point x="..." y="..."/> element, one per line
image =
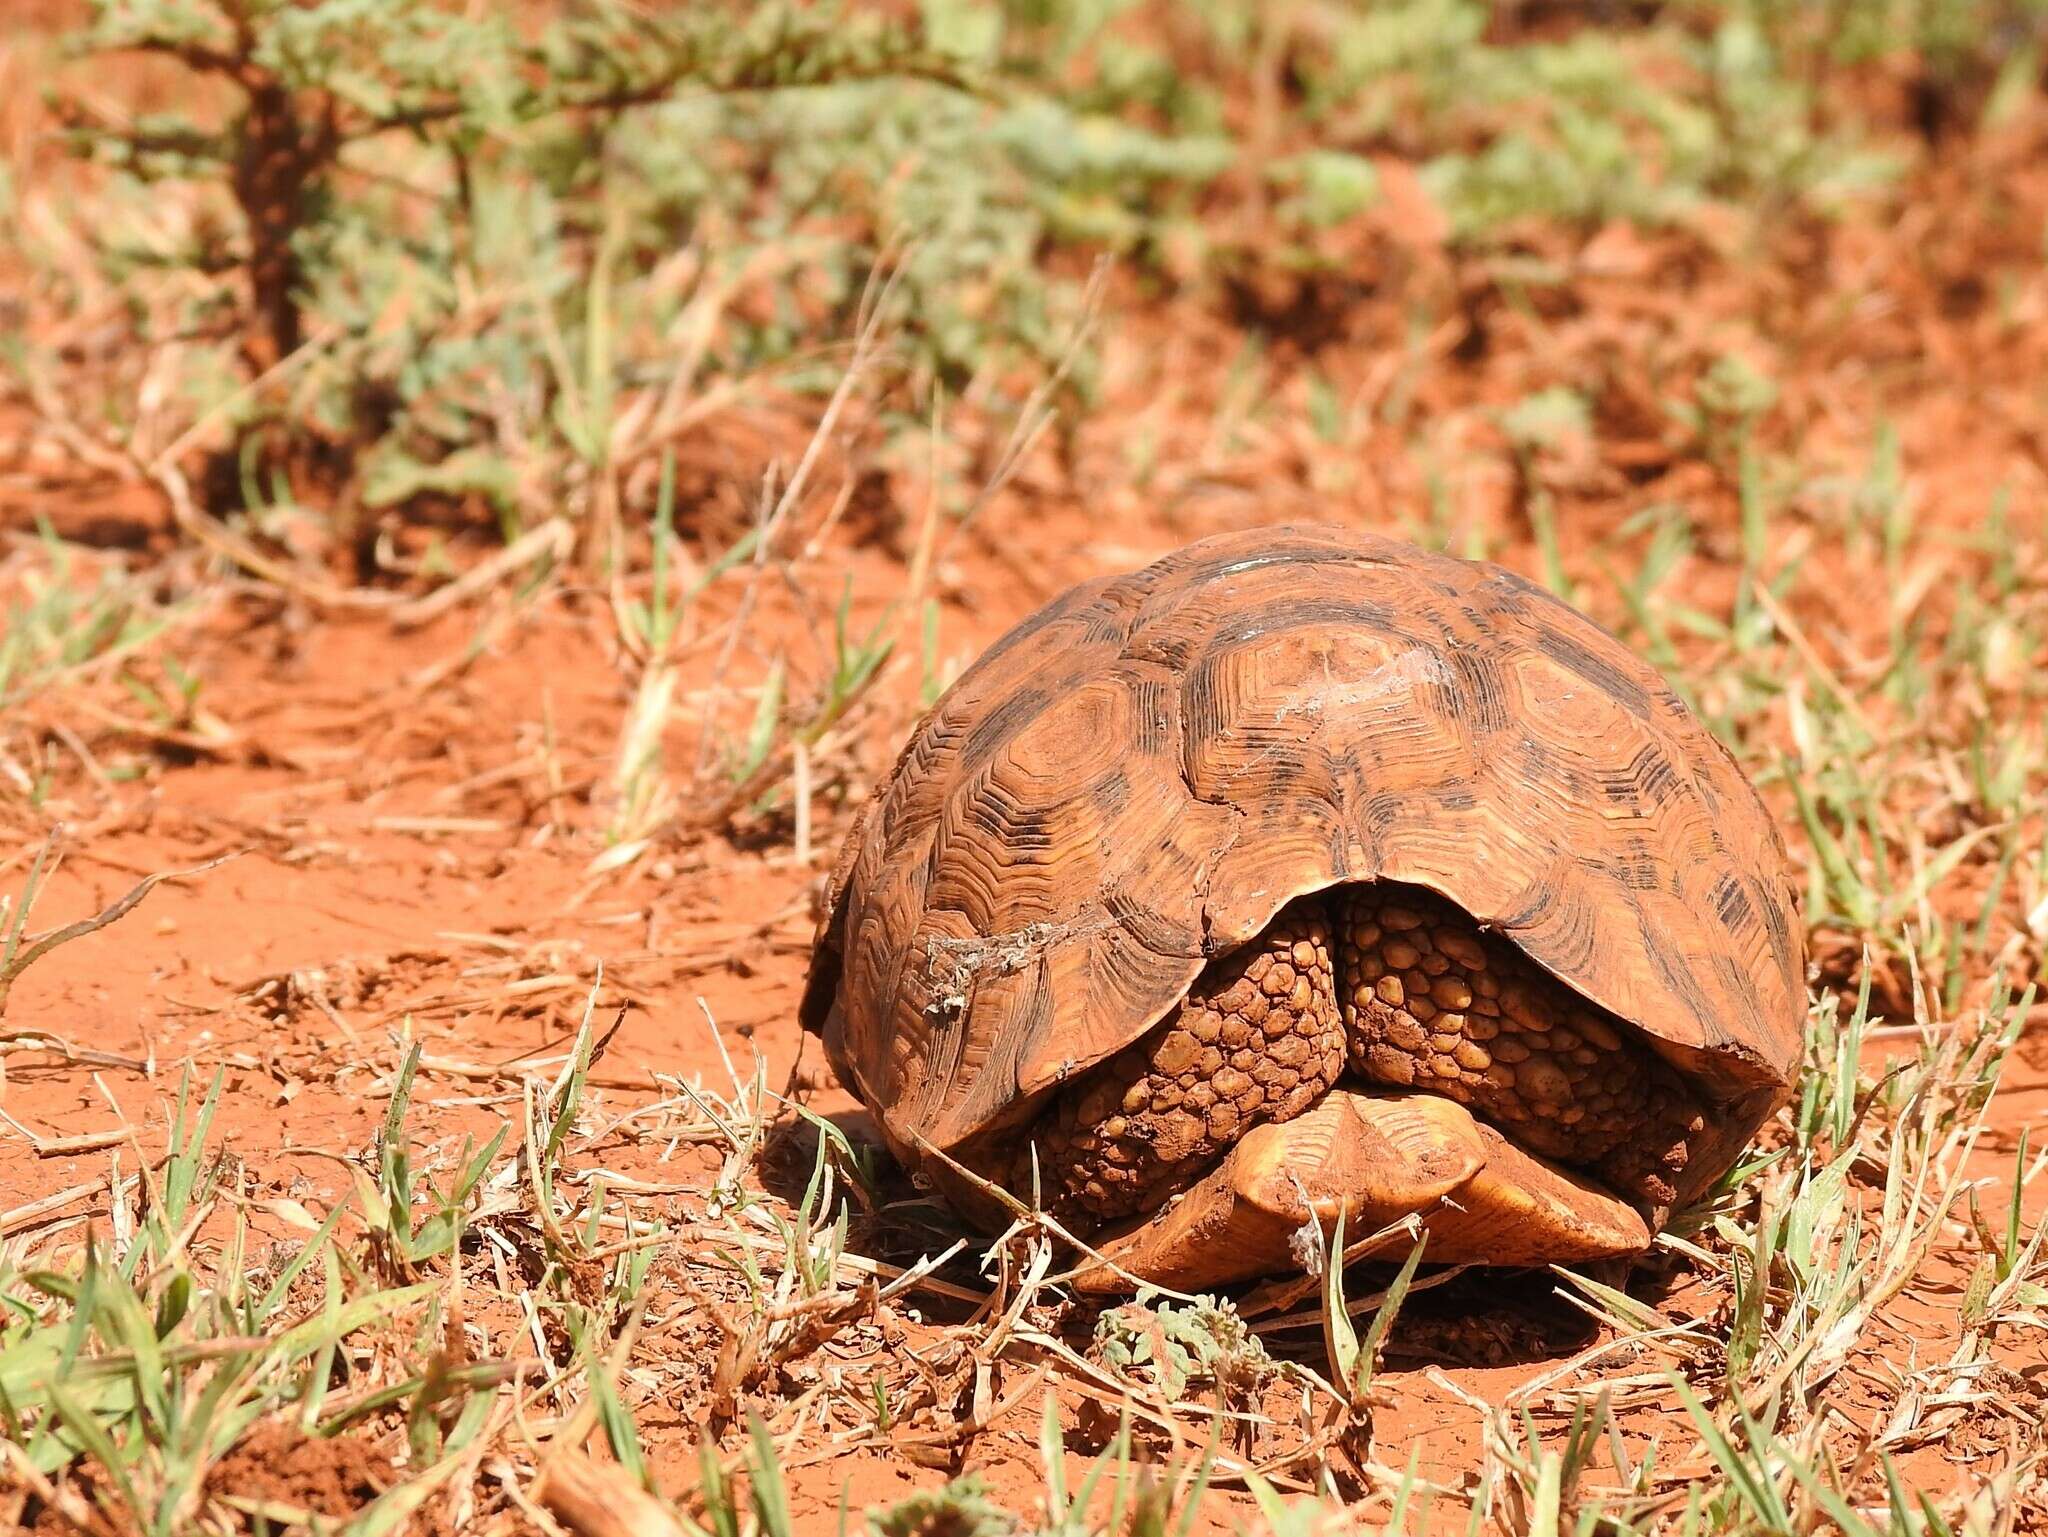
<point x="393" y="820"/>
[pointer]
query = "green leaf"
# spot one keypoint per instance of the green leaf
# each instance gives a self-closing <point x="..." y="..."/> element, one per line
<point x="770" y="1494"/>
<point x="393" y="476"/>
<point x="1052" y="1458"/>
<point x="716" y="1491"/>
<point x="620" y="1432"/>
<point x="1333" y="185"/>
<point x="767" y="718"/>
<point x="1547" y="419"/>
<point x="1755" y="1490"/>
<point x="1340" y="1339"/>
<point x="1388" y="1310"/>
<point x="349" y="1317"/>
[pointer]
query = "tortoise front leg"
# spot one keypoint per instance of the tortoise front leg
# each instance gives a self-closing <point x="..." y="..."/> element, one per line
<point x="1258" y="1039"/>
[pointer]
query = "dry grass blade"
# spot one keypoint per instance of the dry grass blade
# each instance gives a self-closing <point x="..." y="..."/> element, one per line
<point x="598" y="1500"/>
<point x="23" y="951"/>
<point x="85" y="1056"/>
<point x="552" y="541"/>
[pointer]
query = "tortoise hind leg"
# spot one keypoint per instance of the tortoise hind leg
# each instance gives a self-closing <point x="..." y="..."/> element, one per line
<point x="1374" y="1158"/>
<point x="1258" y="1039"/>
<point x="1435" y="1003"/>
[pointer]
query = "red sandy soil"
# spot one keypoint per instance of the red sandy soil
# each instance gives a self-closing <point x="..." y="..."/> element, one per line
<point x="403" y="855"/>
<point x="416" y="855"/>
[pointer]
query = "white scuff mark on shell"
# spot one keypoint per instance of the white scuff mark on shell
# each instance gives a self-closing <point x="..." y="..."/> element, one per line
<point x="1400" y="675"/>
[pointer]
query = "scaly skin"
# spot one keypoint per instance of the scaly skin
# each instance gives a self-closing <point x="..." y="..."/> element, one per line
<point x="1259" y="1038"/>
<point x="1433" y="1003"/>
<point x="1408" y="992"/>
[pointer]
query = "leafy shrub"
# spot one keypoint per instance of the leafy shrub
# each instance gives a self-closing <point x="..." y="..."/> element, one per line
<point x="484" y="260"/>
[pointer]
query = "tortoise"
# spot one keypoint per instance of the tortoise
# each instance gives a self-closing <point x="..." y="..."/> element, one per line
<point x="1303" y="872"/>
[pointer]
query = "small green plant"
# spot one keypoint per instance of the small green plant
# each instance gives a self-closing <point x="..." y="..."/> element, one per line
<point x="59" y="628"/>
<point x="958" y="1508"/>
<point x="314" y="80"/>
<point x="152" y="1371"/>
<point x="1548" y="420"/>
<point x="449" y="250"/>
<point x="1729" y="399"/>
<point x="1141" y="1504"/>
<point x="1354" y="1361"/>
<point x="1176" y="1344"/>
<point x="407" y="1237"/>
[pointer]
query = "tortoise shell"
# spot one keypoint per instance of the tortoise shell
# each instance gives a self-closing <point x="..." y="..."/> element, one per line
<point x="1139" y="776"/>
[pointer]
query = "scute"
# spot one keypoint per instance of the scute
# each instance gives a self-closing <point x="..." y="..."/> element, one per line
<point x="1143" y="773"/>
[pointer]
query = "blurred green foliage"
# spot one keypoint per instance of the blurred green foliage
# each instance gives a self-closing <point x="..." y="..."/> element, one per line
<point x="479" y="240"/>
